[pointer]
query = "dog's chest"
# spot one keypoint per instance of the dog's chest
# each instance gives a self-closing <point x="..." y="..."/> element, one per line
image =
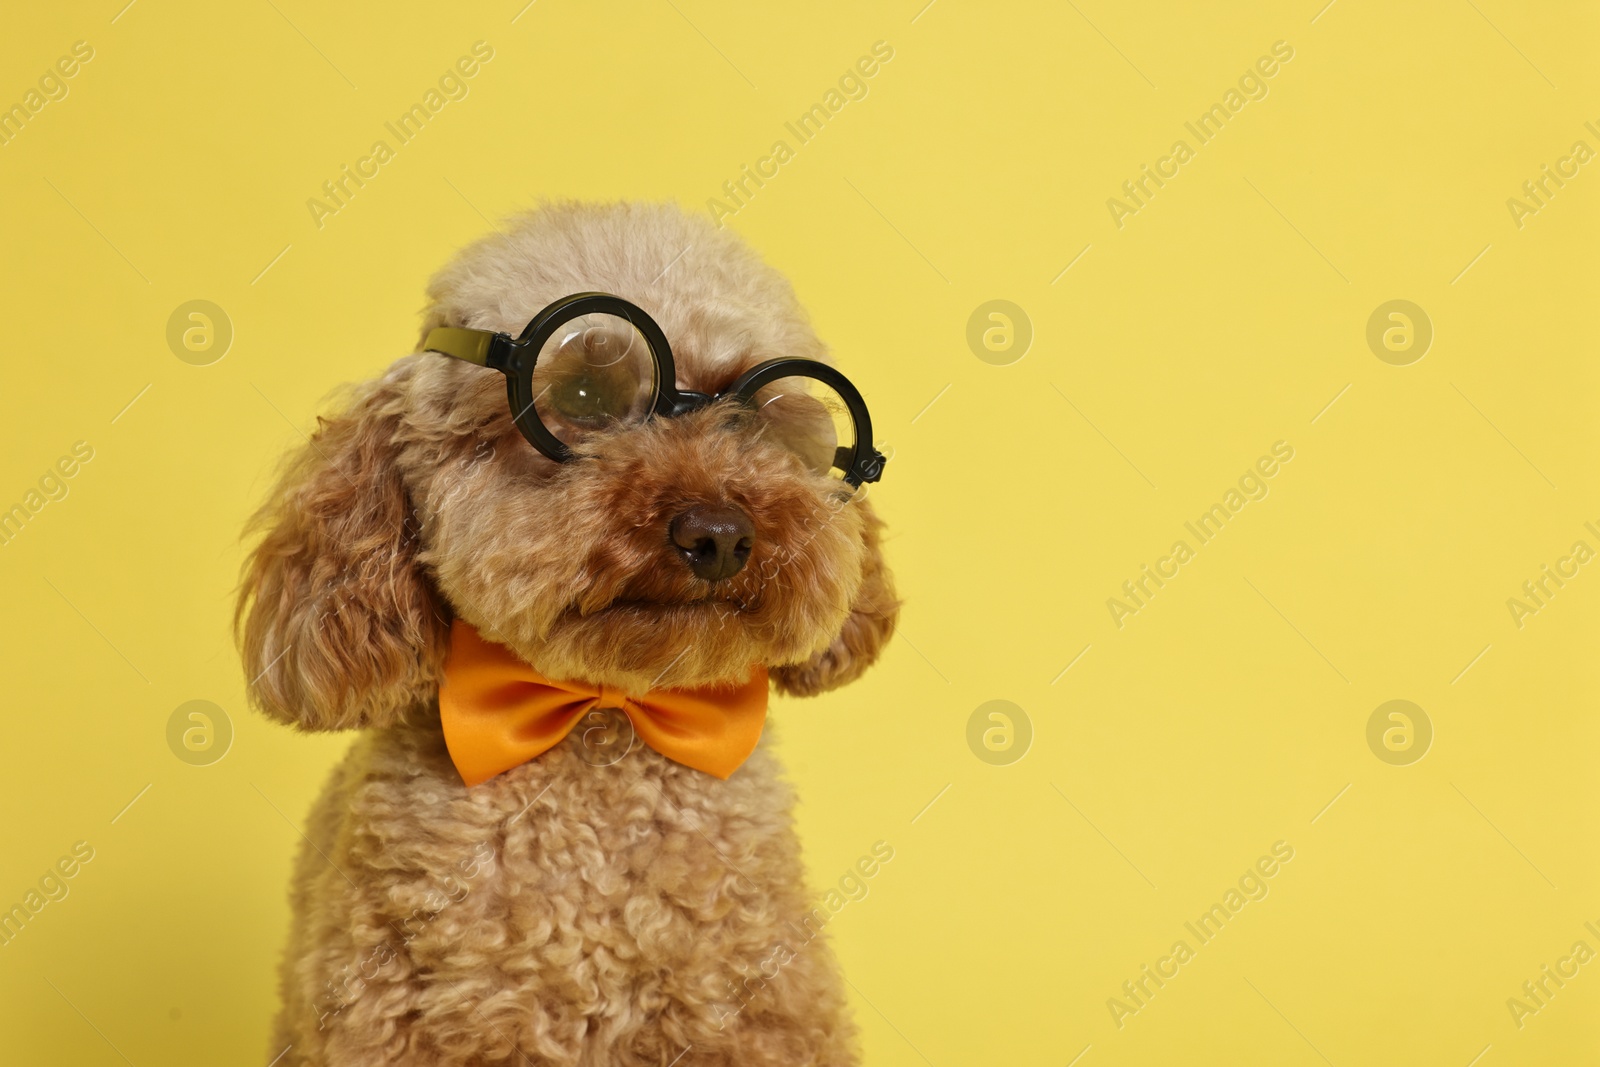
<point x="595" y="857"/>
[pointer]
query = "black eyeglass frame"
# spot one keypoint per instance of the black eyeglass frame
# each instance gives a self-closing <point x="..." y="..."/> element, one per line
<point x="515" y="358"/>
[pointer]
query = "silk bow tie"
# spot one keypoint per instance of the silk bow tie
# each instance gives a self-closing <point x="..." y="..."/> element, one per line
<point x="499" y="713"/>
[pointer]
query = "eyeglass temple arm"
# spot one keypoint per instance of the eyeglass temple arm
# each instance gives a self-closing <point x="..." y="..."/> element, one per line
<point x="483" y="347"/>
<point x="868" y="468"/>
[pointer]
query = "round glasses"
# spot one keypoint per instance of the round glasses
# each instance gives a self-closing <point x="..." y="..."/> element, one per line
<point x="593" y="360"/>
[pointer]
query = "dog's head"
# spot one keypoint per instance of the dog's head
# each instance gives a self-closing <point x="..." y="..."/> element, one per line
<point x="421" y="502"/>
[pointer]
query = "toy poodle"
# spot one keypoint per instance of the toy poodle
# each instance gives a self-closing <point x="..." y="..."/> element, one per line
<point x="548" y="566"/>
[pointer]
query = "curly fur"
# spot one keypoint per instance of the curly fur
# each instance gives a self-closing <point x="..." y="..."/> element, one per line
<point x="582" y="908"/>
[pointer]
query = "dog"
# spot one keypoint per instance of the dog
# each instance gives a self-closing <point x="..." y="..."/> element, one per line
<point x="600" y="903"/>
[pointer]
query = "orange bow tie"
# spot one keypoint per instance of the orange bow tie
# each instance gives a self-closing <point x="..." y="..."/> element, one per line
<point x="499" y="713"/>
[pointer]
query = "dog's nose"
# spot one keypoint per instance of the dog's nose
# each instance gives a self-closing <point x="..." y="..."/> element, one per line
<point x="715" y="540"/>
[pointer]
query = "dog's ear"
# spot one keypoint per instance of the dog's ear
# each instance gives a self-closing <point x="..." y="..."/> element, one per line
<point x="338" y="625"/>
<point x="866" y="629"/>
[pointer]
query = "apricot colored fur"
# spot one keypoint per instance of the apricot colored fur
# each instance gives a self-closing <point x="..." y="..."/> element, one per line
<point x="579" y="909"/>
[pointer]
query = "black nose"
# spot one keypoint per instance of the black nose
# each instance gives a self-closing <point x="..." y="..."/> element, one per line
<point x="715" y="540"/>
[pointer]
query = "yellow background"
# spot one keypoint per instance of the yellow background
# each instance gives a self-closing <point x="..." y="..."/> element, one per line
<point x="1223" y="317"/>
